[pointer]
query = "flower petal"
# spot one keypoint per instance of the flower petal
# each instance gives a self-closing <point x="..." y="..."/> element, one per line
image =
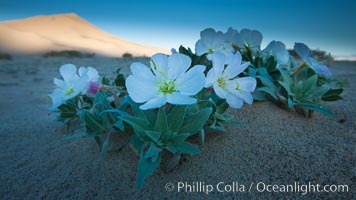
<point x="156" y="102"/>
<point x="246" y="83"/>
<point x="279" y="50"/>
<point x="252" y="38"/>
<point x="82" y="71"/>
<point x="218" y="63"/>
<point x="140" y="70"/>
<point x="192" y="81"/>
<point x="60" y="83"/>
<point x="302" y="50"/>
<point x="93" y="74"/>
<point x="234" y="67"/>
<point x="68" y="72"/>
<point x="211" y="78"/>
<point x="179" y="99"/>
<point x="234" y="101"/>
<point x="81" y="85"/>
<point x="231" y="35"/>
<point x="219" y="91"/>
<point x="159" y="64"/>
<point x="140" y="90"/>
<point x="247" y="97"/>
<point x="322" y="70"/>
<point x="178" y="64"/>
<point x="201" y="48"/>
<point x="57" y="99"/>
<point x="208" y="35"/>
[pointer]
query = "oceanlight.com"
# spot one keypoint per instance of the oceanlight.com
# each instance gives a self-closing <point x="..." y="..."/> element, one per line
<point x="236" y="187"/>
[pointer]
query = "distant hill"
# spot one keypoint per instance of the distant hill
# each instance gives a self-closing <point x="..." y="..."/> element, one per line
<point x="41" y="34"/>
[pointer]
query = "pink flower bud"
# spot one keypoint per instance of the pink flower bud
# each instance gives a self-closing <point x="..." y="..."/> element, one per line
<point x="94" y="87"/>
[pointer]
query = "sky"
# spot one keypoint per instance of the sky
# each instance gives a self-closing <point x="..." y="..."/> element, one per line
<point x="328" y="25"/>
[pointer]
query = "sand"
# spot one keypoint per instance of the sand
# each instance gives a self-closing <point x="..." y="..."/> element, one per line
<point x="276" y="147"/>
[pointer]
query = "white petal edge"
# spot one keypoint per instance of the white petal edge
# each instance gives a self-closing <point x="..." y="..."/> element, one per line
<point x="68" y="72"/>
<point x="192" y="82"/>
<point x="247" y="83"/>
<point x="140" y="90"/>
<point x="140" y="70"/>
<point x="178" y="65"/>
<point x="178" y="99"/>
<point x="159" y="64"/>
<point x="154" y="103"/>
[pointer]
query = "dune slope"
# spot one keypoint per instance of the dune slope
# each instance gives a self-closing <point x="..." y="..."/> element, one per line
<point x="65" y="32"/>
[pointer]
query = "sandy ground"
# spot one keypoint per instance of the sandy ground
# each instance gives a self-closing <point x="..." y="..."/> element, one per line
<point x="276" y="147"/>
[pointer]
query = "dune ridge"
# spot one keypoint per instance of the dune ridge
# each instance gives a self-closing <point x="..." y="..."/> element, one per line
<point x="40" y="34"/>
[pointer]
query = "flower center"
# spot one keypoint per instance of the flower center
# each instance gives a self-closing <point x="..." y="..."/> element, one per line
<point x="211" y="50"/>
<point x="221" y="82"/>
<point x="167" y="86"/>
<point x="69" y="91"/>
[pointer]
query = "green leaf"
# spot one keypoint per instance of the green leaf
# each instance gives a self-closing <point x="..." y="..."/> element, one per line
<point x="161" y="122"/>
<point x="316" y="107"/>
<point x="194" y="122"/>
<point x="93" y="123"/>
<point x="286" y="78"/>
<point x="136" y="144"/>
<point x="332" y="95"/>
<point x="286" y="87"/>
<point x="154" y="136"/>
<point x="105" y="145"/>
<point x="105" y="81"/>
<point x="139" y="125"/>
<point x="270" y="91"/>
<point x="68" y="110"/>
<point x="175" y="117"/>
<point x="267" y="81"/>
<point x="183" y="147"/>
<point x="120" y="79"/>
<point x="310" y="83"/>
<point x="147" y="115"/>
<point x="221" y="106"/>
<point x="318" y="92"/>
<point x="185" y="51"/>
<point x="146" y="167"/>
<point x="291" y="103"/>
<point x="298" y="90"/>
<point x="119" y="124"/>
<point x="153" y="151"/>
<point x="259" y="96"/>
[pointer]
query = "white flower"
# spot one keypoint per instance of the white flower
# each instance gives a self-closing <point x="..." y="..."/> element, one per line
<point x="278" y="49"/>
<point x="303" y="51"/>
<point x="69" y="87"/>
<point x="167" y="81"/>
<point x="72" y="84"/>
<point x="90" y="73"/>
<point x="233" y="36"/>
<point x="225" y="82"/>
<point x="211" y="42"/>
<point x="90" y="76"/>
<point x="250" y="38"/>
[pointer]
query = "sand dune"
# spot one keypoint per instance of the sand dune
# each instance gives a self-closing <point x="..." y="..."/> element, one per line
<point x="65" y="32"/>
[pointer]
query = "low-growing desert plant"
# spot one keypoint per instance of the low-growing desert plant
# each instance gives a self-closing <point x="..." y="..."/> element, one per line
<point x="5" y="56"/>
<point x="187" y="95"/>
<point x="68" y="54"/>
<point x="127" y="55"/>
